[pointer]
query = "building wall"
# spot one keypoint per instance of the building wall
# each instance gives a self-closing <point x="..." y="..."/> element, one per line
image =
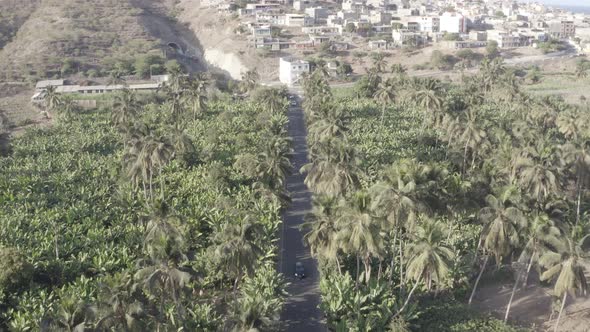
<point x="452" y="23"/>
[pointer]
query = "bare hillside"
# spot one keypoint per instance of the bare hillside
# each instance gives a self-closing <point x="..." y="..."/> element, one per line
<point x="87" y="35"/>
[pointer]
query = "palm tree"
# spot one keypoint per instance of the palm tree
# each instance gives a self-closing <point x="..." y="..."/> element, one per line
<point x="385" y="95"/>
<point x="379" y="63"/>
<point x="176" y="108"/>
<point x="125" y="107"/>
<point x="538" y="169"/>
<point x="273" y="163"/>
<point x="115" y="78"/>
<point x="117" y="308"/>
<point x="322" y="227"/>
<point x="359" y="232"/>
<point x="577" y="157"/>
<point x="428" y="97"/>
<point x="250" y="79"/>
<point x="429" y="258"/>
<point x="196" y="95"/>
<point x="237" y="248"/>
<point x="473" y="137"/>
<point x="52" y="98"/>
<point x="541" y="233"/>
<point x="565" y="265"/>
<point x="334" y="168"/>
<point x="502" y="220"/>
<point x="274" y="100"/>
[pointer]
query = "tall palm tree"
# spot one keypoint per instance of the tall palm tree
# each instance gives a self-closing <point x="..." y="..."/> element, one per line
<point x="196" y="95"/>
<point x="473" y="137"/>
<point x="428" y="97"/>
<point x="385" y="96"/>
<point x="125" y="107"/>
<point x="541" y="234"/>
<point x="175" y="107"/>
<point x="237" y="248"/>
<point x="502" y="221"/>
<point x="52" y="98"/>
<point x="539" y="168"/>
<point x="565" y="266"/>
<point x="334" y="168"/>
<point x="577" y="156"/>
<point x="428" y="256"/>
<point x="322" y="227"/>
<point x="359" y="232"/>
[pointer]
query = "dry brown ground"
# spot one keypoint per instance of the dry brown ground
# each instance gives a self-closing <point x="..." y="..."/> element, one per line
<point x="532" y="306"/>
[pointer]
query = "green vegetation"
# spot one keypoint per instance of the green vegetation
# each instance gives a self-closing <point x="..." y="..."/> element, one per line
<point x="553" y="45"/>
<point x="423" y="189"/>
<point x="154" y="212"/>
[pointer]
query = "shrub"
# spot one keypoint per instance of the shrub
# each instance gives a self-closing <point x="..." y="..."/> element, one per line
<point x="15" y="271"/>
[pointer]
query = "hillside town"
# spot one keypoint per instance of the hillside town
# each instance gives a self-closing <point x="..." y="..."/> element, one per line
<point x="306" y="27"/>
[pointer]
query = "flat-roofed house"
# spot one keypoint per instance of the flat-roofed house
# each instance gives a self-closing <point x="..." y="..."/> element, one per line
<point x="291" y="70"/>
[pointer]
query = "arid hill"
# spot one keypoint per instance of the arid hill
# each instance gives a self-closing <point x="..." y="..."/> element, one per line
<point x="48" y="38"/>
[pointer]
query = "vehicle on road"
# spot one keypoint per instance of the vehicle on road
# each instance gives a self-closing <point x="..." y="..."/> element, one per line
<point x="299" y="270"/>
<point x="293" y="103"/>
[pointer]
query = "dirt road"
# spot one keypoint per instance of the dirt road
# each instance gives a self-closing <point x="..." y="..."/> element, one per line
<point x="301" y="312"/>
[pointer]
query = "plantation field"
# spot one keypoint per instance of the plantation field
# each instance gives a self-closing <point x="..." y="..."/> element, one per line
<point x="133" y="217"/>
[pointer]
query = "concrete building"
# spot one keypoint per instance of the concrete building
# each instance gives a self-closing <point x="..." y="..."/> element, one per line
<point x="429" y="24"/>
<point x="504" y="38"/>
<point x="298" y="20"/>
<point x="378" y="17"/>
<point x="318" y="13"/>
<point x="300" y="5"/>
<point x="562" y="29"/>
<point x="291" y="70"/>
<point x="381" y="44"/>
<point x="407" y="37"/>
<point x="453" y="23"/>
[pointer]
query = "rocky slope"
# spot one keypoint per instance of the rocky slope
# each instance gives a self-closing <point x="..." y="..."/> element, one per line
<point x="222" y="47"/>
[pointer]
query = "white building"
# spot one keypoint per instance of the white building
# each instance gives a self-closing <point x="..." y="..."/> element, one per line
<point x="429" y="24"/>
<point x="298" y="20"/>
<point x="290" y="70"/>
<point x="453" y="23"/>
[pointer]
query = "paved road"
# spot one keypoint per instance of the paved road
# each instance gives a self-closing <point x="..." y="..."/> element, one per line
<point x="301" y="312"/>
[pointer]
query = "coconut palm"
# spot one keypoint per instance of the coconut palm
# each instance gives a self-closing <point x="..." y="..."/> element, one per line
<point x="385" y="95"/>
<point x="565" y="266"/>
<point x="540" y="234"/>
<point x="322" y="227"/>
<point x="237" y="248"/>
<point x="577" y="156"/>
<point x="539" y="168"/>
<point x="428" y="96"/>
<point x="473" y="137"/>
<point x="428" y="256"/>
<point x="125" y="107"/>
<point x="52" y="99"/>
<point x="196" y="95"/>
<point x="359" y="231"/>
<point x="502" y="220"/>
<point x="334" y="168"/>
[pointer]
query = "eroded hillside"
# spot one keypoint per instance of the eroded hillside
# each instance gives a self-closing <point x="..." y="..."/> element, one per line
<point x="87" y="35"/>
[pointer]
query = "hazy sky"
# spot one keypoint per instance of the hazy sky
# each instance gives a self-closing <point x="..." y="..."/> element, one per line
<point x="566" y="2"/>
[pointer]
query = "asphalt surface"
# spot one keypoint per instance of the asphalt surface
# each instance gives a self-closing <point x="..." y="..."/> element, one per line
<point x="301" y="312"/>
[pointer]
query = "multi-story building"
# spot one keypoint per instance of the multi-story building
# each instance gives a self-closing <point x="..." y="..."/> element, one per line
<point x="298" y="20"/>
<point x="407" y="37"/>
<point x="452" y="23"/>
<point x="318" y="13"/>
<point x="429" y="24"/>
<point x="505" y="39"/>
<point x="291" y="70"/>
<point x="562" y="29"/>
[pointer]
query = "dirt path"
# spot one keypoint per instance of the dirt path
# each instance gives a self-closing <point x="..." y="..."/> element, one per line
<point x="301" y="313"/>
<point x="532" y="307"/>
